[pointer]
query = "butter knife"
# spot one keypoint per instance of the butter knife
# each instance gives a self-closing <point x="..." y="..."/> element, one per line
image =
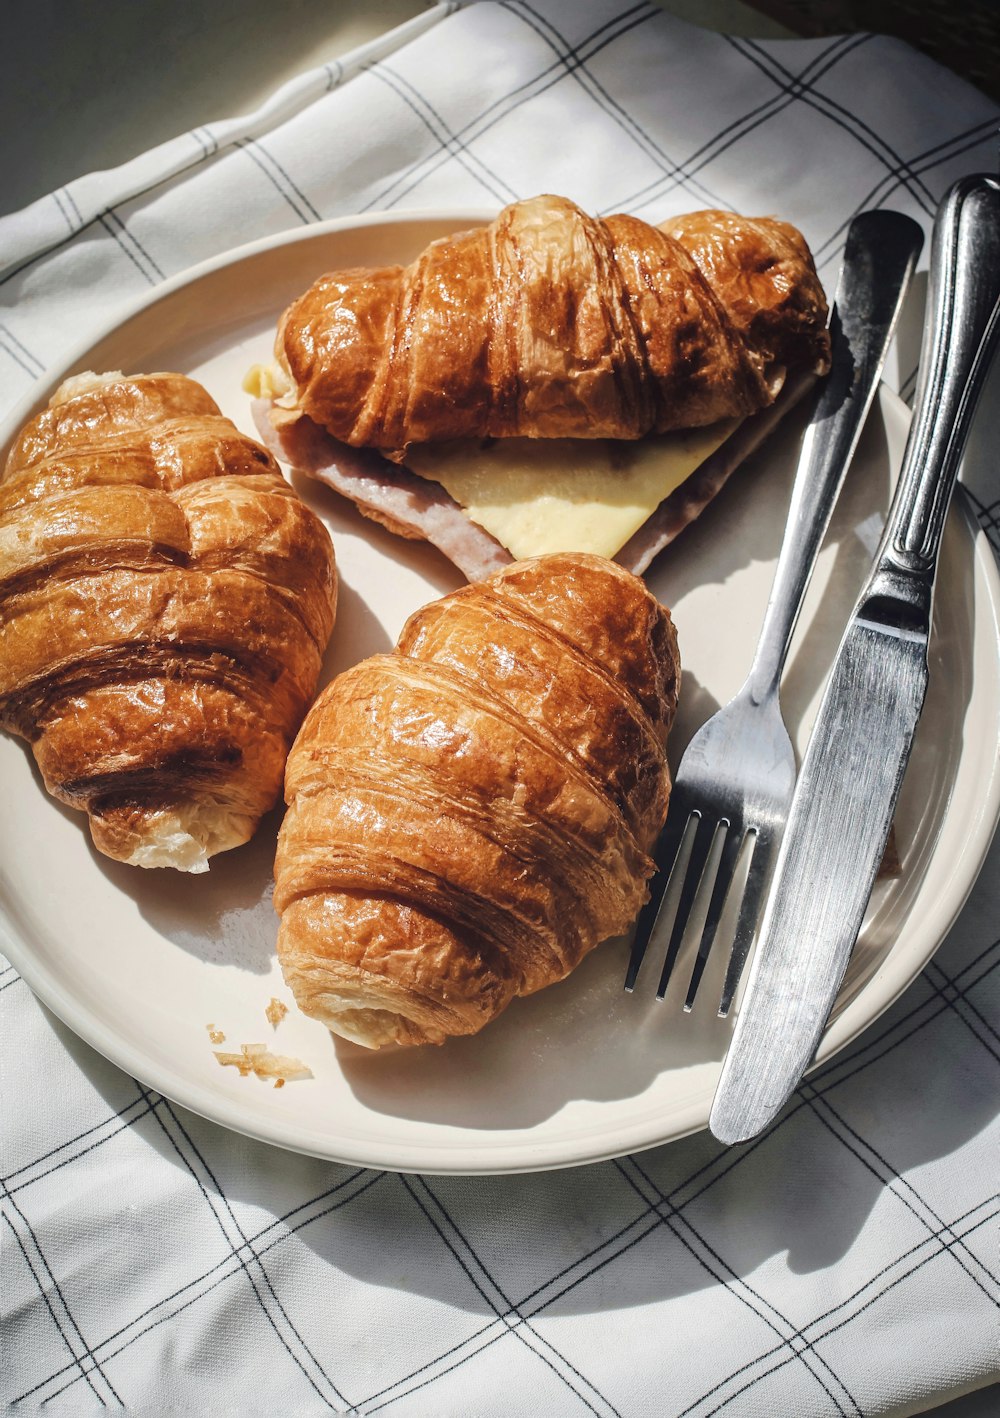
<point x="848" y="785"/>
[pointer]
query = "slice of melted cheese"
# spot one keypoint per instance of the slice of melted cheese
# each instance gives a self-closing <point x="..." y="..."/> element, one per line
<point x="538" y="495"/>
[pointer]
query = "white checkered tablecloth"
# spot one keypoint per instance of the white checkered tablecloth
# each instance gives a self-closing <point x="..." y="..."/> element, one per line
<point x="846" y="1262"/>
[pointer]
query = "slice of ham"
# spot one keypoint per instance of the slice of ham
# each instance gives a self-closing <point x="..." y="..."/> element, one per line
<point x="417" y="508"/>
<point x="410" y="506"/>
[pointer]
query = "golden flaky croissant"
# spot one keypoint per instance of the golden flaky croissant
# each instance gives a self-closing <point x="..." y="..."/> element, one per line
<point x="165" y="599"/>
<point x="548" y="324"/>
<point x="471" y="814"/>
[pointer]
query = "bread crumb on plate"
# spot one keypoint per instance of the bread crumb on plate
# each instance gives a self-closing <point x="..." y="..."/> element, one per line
<point x="258" y="1059"/>
<point x="276" y="1012"/>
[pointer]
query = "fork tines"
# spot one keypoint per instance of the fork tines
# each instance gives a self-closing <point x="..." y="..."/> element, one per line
<point x="698" y="875"/>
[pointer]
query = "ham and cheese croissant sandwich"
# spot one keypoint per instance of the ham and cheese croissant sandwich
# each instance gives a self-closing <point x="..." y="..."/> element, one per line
<point x="472" y="813"/>
<point x="165" y="600"/>
<point x="551" y="381"/>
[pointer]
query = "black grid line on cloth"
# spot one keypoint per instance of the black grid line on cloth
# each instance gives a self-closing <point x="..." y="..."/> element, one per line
<point x="207" y="139"/>
<point x="900" y="1187"/>
<point x="203" y="143"/>
<point x="917" y="1254"/>
<point x="937" y="1238"/>
<point x="71" y="201"/>
<point x="951" y="981"/>
<point x="581" y="1266"/>
<point x="842" y="1323"/>
<point x="683" y="173"/>
<point x="449" y="1369"/>
<point x="464" y="1253"/>
<point x="501" y="108"/>
<point x="225" y="1217"/>
<point x="622" y="1241"/>
<point x="926" y="161"/>
<point x="115" y="228"/>
<point x="724" y="1275"/>
<point x="858" y="129"/>
<point x="994" y="945"/>
<point x="63" y="209"/>
<point x="279" y="179"/>
<point x="615" y="1246"/>
<point x="648" y="1219"/>
<point x="19" y="356"/>
<point x="110" y="1127"/>
<point x="49" y="1285"/>
<point x="953" y="998"/>
<point x="575" y="67"/>
<point x="369" y="1406"/>
<point x="507" y="104"/>
<point x="988" y="517"/>
<point x="931" y="1007"/>
<point x="8" y="984"/>
<point x="112" y="208"/>
<point x="908" y="387"/>
<point x="11" y="339"/>
<point x="825" y="1080"/>
<point x="424" y="111"/>
<point x="30" y="261"/>
<point x="230" y="1266"/>
<point x="15" y="358"/>
<point x="141" y="192"/>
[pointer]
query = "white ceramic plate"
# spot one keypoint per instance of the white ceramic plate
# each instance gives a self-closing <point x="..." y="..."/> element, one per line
<point x="138" y="963"/>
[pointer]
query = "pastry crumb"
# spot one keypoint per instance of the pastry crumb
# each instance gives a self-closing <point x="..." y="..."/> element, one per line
<point x="276" y="1012"/>
<point x="216" y="1035"/>
<point x="258" y="1059"/>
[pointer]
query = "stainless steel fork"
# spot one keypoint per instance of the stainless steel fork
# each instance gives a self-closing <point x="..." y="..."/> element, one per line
<point x="737" y="775"/>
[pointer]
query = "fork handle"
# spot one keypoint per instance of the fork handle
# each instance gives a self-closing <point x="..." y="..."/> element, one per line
<point x="879" y="257"/>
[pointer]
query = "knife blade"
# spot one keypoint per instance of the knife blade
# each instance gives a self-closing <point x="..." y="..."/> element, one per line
<point x="847" y="788"/>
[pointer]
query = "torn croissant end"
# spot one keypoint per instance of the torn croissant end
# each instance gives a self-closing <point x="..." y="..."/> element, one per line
<point x="84" y="383"/>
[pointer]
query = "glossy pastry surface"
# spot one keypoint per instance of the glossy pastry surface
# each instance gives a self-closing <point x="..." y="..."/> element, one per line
<point x="165" y="599"/>
<point x="471" y="814"/>
<point x="549" y="323"/>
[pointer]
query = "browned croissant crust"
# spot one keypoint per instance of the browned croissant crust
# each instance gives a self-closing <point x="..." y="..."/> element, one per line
<point x="549" y="323"/>
<point x="471" y="814"/>
<point x="165" y="599"/>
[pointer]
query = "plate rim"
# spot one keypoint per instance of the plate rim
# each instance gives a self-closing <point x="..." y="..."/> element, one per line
<point x="448" y="1158"/>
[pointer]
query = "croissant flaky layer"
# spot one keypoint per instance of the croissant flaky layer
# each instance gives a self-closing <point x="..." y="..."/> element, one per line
<point x="471" y="814"/>
<point x="549" y="323"/>
<point x="165" y="599"/>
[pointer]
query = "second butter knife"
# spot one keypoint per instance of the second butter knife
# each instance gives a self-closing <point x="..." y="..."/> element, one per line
<point x="847" y="789"/>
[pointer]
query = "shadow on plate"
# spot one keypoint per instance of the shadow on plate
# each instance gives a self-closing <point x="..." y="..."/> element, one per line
<point x="225" y="915"/>
<point x="583" y="1038"/>
<point x="615" y="1235"/>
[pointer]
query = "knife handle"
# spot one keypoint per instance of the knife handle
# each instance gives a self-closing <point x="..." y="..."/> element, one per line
<point x="960" y="337"/>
